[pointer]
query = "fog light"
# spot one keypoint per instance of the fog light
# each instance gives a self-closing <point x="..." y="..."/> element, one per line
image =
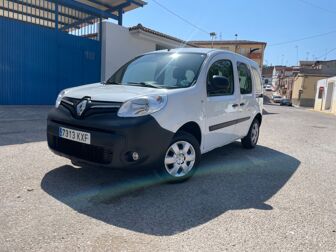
<point x="135" y="156"/>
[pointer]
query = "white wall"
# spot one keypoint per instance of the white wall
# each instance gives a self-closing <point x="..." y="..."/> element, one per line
<point x="119" y="45"/>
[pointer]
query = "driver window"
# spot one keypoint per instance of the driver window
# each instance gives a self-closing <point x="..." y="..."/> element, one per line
<point x="221" y="68"/>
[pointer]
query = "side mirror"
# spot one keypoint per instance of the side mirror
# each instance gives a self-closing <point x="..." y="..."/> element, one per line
<point x="220" y="82"/>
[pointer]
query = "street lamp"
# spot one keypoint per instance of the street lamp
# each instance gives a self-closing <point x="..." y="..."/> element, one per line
<point x="213" y="36"/>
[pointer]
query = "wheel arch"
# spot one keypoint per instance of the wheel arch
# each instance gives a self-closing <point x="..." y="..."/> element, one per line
<point x="192" y="128"/>
<point x="259" y="118"/>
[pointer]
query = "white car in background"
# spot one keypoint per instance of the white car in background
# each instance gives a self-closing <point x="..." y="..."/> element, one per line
<point x="269" y="88"/>
<point x="277" y="98"/>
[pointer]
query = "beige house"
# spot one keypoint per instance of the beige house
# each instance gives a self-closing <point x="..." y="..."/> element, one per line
<point x="251" y="49"/>
<point x="325" y="97"/>
<point x="304" y="88"/>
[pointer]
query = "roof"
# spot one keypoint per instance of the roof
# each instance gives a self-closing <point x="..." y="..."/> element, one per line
<point x="113" y="6"/>
<point x="267" y="71"/>
<point x="228" y="42"/>
<point x="68" y="14"/>
<point x="306" y="63"/>
<point x="140" y="27"/>
<point x="313" y="72"/>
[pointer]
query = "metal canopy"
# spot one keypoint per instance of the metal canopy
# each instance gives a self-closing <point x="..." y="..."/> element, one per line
<point x="114" y="5"/>
<point x="67" y="15"/>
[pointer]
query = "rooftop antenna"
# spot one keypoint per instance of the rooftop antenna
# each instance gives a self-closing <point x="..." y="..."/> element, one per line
<point x="282" y="59"/>
<point x="307" y="55"/>
<point x="213" y="36"/>
<point x="297" y="54"/>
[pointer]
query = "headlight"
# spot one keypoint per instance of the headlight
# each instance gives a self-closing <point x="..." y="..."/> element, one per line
<point x="142" y="106"/>
<point x="59" y="97"/>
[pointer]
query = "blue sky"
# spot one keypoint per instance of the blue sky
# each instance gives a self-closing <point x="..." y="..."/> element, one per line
<point x="270" y="21"/>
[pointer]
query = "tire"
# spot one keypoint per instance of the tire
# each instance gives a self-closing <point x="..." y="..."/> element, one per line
<point x="174" y="166"/>
<point x="251" y="140"/>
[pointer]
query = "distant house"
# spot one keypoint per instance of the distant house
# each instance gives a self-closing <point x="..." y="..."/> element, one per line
<point x="251" y="49"/>
<point x="267" y="75"/>
<point x="305" y="86"/>
<point x="305" y="81"/>
<point x="283" y="79"/>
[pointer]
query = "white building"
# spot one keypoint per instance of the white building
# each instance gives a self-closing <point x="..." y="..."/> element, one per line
<point x="325" y="99"/>
<point x="121" y="44"/>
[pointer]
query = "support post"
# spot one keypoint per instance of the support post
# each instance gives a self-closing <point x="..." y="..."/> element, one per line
<point x="56" y="16"/>
<point x="120" y="16"/>
<point x="100" y="30"/>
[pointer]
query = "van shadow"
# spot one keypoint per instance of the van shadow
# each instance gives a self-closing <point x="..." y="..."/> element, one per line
<point x="228" y="178"/>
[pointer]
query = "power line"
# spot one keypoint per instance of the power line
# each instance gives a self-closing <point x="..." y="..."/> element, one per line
<point x="304" y="38"/>
<point x="181" y="18"/>
<point x="317" y="6"/>
<point x="326" y="54"/>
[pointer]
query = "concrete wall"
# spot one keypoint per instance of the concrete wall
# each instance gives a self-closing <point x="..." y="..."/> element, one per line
<point x="321" y="103"/>
<point x="119" y="46"/>
<point x="308" y="85"/>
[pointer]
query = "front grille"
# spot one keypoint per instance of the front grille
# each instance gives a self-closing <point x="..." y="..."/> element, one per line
<point x="82" y="151"/>
<point x="93" y="107"/>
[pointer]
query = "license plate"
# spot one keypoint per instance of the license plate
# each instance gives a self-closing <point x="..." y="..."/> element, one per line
<point x="75" y="135"/>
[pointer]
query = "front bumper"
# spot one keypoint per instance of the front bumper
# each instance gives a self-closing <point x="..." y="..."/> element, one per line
<point x="113" y="139"/>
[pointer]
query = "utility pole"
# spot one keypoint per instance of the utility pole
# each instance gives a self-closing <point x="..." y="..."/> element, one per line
<point x="297" y="55"/>
<point x="213" y="36"/>
<point x="282" y="59"/>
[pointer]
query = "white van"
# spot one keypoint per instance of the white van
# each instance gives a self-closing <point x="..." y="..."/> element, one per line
<point x="161" y="110"/>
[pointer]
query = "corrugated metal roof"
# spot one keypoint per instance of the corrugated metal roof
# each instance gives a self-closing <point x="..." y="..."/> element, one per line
<point x="71" y="14"/>
<point x="113" y="5"/>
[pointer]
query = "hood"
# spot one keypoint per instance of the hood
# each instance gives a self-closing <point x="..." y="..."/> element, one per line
<point x="113" y="93"/>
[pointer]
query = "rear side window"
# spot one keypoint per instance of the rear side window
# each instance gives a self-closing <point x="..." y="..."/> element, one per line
<point x="257" y="81"/>
<point x="245" y="78"/>
<point x="220" y="68"/>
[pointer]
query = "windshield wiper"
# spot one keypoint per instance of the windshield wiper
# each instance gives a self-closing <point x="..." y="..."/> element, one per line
<point x="144" y="84"/>
<point x="110" y="82"/>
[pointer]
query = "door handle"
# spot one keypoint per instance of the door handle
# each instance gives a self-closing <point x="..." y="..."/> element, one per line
<point x="235" y="105"/>
<point x="242" y="104"/>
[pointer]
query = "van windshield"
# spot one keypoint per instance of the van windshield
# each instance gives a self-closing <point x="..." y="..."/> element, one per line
<point x="160" y="70"/>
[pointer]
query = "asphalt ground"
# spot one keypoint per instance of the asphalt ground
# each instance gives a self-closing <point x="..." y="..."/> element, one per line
<point x="280" y="196"/>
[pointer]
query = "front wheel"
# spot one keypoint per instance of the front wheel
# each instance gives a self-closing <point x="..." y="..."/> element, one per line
<point x="251" y="140"/>
<point x="181" y="158"/>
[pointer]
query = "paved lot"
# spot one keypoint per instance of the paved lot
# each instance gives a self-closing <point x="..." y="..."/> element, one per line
<point x="280" y="196"/>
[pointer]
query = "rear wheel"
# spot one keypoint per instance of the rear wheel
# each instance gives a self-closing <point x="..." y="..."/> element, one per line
<point x="251" y="140"/>
<point x="181" y="158"/>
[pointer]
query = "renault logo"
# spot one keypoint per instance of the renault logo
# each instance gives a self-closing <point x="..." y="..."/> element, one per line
<point x="80" y="108"/>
